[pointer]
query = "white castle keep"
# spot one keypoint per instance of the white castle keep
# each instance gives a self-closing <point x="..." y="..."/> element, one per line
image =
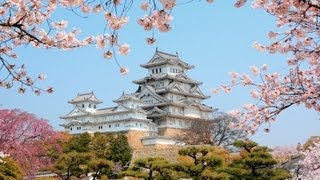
<point x="165" y="103"/>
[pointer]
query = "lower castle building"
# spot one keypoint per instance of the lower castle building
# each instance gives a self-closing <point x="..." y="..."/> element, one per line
<point x="165" y="104"/>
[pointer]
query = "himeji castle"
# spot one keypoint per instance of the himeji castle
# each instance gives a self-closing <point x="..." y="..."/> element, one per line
<point x="164" y="104"/>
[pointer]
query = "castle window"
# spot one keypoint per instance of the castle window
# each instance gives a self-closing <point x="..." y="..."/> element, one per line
<point x="78" y="128"/>
<point x="136" y="124"/>
<point x="94" y="106"/>
<point x="160" y="70"/>
<point x="156" y="70"/>
<point x="82" y="105"/>
<point x="70" y="129"/>
<point x="109" y="125"/>
<point x="89" y="105"/>
<point x="100" y="127"/>
<point x="152" y="71"/>
<point x="140" y="124"/>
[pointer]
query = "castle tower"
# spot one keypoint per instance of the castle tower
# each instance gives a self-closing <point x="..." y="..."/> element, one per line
<point x="172" y="99"/>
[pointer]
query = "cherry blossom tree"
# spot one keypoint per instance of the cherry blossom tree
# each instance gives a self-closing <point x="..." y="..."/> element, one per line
<point x="31" y="22"/>
<point x="284" y="153"/>
<point x="310" y="165"/>
<point x="296" y="35"/>
<point x="27" y="139"/>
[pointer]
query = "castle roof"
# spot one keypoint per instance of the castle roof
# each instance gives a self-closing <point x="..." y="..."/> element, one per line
<point x="127" y="97"/>
<point x="161" y="58"/>
<point x="85" y="97"/>
<point x="75" y="112"/>
<point x="178" y="77"/>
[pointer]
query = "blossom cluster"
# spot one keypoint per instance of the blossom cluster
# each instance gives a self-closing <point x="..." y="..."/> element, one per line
<point x="27" y="139"/>
<point x="30" y="23"/>
<point x="284" y="153"/>
<point x="297" y="34"/>
<point x="310" y="164"/>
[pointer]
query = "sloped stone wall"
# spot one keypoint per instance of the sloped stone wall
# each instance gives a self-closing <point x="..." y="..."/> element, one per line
<point x="168" y="152"/>
<point x="172" y="132"/>
<point x="134" y="139"/>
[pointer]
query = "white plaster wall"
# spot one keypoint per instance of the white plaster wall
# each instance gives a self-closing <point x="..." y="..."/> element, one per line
<point x="114" y="127"/>
<point x="192" y="112"/>
<point x="86" y="106"/>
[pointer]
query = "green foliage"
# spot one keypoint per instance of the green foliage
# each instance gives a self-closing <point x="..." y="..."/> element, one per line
<point x="100" y="167"/>
<point x="78" y="143"/>
<point x="255" y="162"/>
<point x="85" y="153"/>
<point x="205" y="161"/>
<point x="120" y="149"/>
<point x="210" y="162"/>
<point x="100" y="145"/>
<point x="196" y="163"/>
<point x="9" y="169"/>
<point x="73" y="164"/>
<point x="150" y="168"/>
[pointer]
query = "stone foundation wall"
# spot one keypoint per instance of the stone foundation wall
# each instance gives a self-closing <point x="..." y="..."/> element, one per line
<point x="168" y="152"/>
<point x="172" y="132"/>
<point x="134" y="138"/>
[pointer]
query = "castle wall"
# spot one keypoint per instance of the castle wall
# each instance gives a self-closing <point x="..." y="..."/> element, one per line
<point x="168" y="152"/>
<point x="134" y="139"/>
<point x="171" y="132"/>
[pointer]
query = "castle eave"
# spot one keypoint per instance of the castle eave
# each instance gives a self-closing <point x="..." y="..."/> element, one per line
<point x="181" y="93"/>
<point x="83" y="101"/>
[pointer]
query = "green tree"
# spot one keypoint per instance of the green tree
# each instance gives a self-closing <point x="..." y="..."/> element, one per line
<point x="194" y="162"/>
<point x="9" y="169"/>
<point x="72" y="164"/>
<point x="255" y="162"/>
<point x="150" y="168"/>
<point x="78" y="143"/>
<point x="100" y="167"/>
<point x="204" y="162"/>
<point x="84" y="153"/>
<point x="120" y="149"/>
<point x="100" y="145"/>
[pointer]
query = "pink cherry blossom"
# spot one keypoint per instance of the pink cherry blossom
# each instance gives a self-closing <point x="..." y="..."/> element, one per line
<point x="168" y="4"/>
<point x="107" y="55"/>
<point x="27" y="139"/>
<point x="150" y="41"/>
<point x="255" y="70"/>
<point x="144" y="6"/>
<point x="124" y="49"/>
<point x="240" y="3"/>
<point x="255" y="94"/>
<point x="124" y="70"/>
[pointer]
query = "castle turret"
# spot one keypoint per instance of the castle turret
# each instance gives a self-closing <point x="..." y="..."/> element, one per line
<point x="86" y="101"/>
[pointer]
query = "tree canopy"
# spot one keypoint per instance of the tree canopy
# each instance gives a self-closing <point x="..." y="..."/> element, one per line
<point x="98" y="153"/>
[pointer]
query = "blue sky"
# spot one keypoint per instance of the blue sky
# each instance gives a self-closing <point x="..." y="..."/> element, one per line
<point x="216" y="38"/>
